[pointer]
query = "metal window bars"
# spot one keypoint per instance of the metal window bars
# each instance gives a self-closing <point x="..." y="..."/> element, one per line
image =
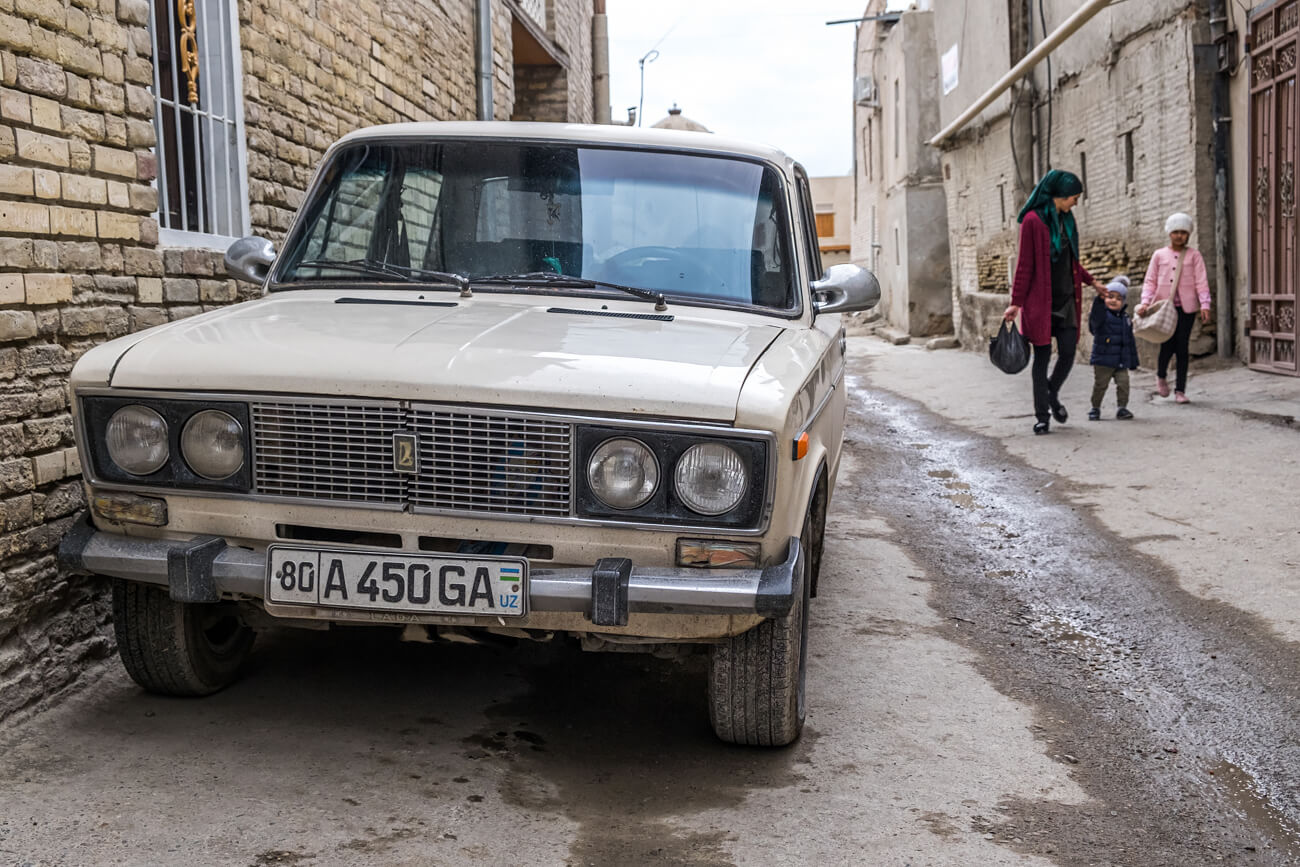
<point x="199" y="165"/>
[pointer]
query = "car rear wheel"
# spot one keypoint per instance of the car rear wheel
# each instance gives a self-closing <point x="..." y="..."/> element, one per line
<point x="757" y="678"/>
<point x="177" y="648"/>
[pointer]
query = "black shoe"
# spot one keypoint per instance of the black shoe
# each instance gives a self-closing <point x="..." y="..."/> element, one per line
<point x="1094" y="414"/>
<point x="1058" y="411"/>
<point x="1042" y="427"/>
<point x="1123" y="412"/>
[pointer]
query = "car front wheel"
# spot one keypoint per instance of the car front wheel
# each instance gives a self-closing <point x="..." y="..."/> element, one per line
<point x="177" y="648"/>
<point x="756" y="679"/>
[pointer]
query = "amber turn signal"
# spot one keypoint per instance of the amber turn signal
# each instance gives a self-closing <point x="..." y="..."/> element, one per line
<point x="718" y="554"/>
<point x="129" y="509"/>
<point x="800" y="449"/>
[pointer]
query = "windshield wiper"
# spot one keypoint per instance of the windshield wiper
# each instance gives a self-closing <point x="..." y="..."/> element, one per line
<point x="405" y="272"/>
<point x="549" y="278"/>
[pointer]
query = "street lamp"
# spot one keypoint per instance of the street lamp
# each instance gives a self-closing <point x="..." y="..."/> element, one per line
<point x="648" y="57"/>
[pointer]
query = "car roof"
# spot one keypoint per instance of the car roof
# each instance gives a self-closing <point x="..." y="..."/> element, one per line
<point x="577" y="133"/>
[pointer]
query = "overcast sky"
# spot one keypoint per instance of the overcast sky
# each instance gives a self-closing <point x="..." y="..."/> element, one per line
<point x="766" y="70"/>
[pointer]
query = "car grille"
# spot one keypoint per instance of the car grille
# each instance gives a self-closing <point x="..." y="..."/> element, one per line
<point x="469" y="461"/>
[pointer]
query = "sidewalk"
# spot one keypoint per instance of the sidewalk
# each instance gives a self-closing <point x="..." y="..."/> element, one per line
<point x="1211" y="488"/>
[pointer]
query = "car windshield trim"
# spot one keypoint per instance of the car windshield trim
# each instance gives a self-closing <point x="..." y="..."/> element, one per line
<point x="440" y="204"/>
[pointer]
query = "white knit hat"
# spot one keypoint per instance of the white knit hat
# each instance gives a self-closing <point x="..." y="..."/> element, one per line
<point x="1179" y="222"/>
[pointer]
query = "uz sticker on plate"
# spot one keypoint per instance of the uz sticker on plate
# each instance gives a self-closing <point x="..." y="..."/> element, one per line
<point x="412" y="583"/>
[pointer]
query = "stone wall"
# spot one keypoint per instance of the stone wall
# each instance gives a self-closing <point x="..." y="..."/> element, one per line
<point x="78" y="265"/>
<point x="80" y="259"/>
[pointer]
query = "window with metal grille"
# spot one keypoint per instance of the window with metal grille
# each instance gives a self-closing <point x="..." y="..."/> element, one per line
<point x="199" y="120"/>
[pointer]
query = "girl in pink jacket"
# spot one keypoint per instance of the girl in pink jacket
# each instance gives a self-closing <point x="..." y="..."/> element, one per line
<point x="1192" y="294"/>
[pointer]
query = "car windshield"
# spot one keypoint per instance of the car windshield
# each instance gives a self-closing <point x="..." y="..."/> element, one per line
<point x="683" y="224"/>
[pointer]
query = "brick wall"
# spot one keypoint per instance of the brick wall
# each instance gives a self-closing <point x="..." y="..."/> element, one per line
<point x="80" y="260"/>
<point x="1145" y="93"/>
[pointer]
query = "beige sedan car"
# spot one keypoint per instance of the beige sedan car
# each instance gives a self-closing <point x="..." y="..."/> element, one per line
<point x="552" y="382"/>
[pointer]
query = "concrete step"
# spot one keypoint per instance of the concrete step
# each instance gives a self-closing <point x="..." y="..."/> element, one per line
<point x="943" y="341"/>
<point x="893" y="335"/>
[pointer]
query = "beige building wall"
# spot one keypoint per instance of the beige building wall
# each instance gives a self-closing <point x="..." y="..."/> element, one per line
<point x="82" y="257"/>
<point x="900" y="229"/>
<point x="833" y="207"/>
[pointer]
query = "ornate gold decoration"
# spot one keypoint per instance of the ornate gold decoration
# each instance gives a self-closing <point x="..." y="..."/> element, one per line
<point x="1286" y="189"/>
<point x="1261" y="192"/>
<point x="1286" y="318"/>
<point x="1287" y="18"/>
<point x="1263" y="318"/>
<point x="189" y="46"/>
<point x="1286" y="59"/>
<point x="1263" y="31"/>
<point x="1263" y="69"/>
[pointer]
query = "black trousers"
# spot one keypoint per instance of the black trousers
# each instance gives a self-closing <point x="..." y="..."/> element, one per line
<point x="1046" y="387"/>
<point x="1176" y="345"/>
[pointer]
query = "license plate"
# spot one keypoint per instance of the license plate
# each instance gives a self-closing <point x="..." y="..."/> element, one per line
<point x="412" y="583"/>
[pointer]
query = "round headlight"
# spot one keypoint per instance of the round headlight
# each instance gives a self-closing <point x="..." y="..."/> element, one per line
<point x="623" y="473"/>
<point x="711" y="478"/>
<point x="213" y="444"/>
<point x="137" y="440"/>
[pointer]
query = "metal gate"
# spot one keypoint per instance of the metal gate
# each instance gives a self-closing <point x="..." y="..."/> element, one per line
<point x="1274" y="146"/>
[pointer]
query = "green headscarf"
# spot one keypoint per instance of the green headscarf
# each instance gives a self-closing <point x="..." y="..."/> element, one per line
<point x="1056" y="184"/>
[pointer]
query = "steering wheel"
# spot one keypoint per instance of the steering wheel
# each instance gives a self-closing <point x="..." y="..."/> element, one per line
<point x="660" y="261"/>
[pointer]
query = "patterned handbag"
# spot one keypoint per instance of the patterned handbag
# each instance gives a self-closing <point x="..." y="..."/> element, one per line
<point x="1161" y="318"/>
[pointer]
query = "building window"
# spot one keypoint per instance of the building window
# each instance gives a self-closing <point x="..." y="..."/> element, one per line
<point x="866" y="148"/>
<point x="1083" y="174"/>
<point x="1128" y="157"/>
<point x="897" y="116"/>
<point x="199" y="118"/>
<point x="1002" y="201"/>
<point x="826" y="225"/>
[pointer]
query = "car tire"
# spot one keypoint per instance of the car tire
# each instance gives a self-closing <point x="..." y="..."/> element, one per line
<point x="177" y="648"/>
<point x="757" y="679"/>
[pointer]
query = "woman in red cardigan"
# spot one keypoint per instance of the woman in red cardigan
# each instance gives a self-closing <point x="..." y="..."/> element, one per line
<point x="1046" y="290"/>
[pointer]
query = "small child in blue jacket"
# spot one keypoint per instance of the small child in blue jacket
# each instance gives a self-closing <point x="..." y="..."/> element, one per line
<point x="1114" y="351"/>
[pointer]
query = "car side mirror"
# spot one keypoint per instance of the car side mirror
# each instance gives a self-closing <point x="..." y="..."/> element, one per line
<point x="844" y="289"/>
<point x="250" y="259"/>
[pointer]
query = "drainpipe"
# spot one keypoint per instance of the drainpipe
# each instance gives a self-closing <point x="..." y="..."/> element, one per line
<point x="1220" y="107"/>
<point x="600" y="63"/>
<point x="1044" y="48"/>
<point x="483" y="44"/>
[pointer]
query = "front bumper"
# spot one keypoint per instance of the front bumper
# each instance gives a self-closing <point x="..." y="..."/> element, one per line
<point x="206" y="569"/>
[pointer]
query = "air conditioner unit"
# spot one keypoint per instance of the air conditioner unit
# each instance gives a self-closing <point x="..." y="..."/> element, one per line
<point x="864" y="91"/>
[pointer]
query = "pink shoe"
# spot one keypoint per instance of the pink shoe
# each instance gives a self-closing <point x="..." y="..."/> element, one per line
<point x="1162" y="387"/>
<point x="1179" y="397"/>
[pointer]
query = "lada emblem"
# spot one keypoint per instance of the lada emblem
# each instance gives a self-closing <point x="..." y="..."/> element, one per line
<point x="406" y="453"/>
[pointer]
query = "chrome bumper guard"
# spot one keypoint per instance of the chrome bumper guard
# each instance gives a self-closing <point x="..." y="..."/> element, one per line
<point x="205" y="568"/>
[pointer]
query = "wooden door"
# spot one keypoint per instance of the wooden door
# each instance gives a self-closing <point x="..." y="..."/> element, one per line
<point x="1274" y="146"/>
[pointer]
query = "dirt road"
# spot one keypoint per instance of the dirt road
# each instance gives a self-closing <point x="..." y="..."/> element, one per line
<point x="997" y="677"/>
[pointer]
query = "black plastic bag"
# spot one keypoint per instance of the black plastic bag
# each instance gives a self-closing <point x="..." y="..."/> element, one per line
<point x="1009" y="350"/>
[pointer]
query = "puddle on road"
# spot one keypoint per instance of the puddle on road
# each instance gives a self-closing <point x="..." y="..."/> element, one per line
<point x="640" y="726"/>
<point x="1246" y="794"/>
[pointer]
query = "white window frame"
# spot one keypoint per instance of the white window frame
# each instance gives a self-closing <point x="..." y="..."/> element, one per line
<point x="219" y="60"/>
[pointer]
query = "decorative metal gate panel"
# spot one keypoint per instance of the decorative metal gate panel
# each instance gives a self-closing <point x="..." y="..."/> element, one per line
<point x="1274" y="148"/>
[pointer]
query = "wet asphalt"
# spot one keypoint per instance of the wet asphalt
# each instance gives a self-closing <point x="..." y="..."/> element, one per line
<point x="1177" y="715"/>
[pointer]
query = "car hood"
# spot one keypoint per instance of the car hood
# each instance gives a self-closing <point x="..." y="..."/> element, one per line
<point x="501" y="350"/>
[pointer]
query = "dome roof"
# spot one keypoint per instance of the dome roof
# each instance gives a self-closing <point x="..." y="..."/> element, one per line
<point x="677" y="120"/>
